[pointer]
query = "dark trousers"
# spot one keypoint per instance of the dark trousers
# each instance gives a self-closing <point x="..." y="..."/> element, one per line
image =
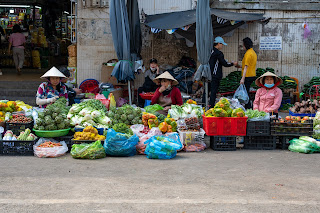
<point x="247" y="83"/>
<point x="213" y="86"/>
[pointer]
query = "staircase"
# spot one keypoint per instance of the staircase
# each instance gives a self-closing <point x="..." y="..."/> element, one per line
<point x="19" y="90"/>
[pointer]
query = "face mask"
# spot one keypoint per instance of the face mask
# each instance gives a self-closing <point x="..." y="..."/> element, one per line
<point x="168" y="87"/>
<point x="153" y="69"/>
<point x="269" y="85"/>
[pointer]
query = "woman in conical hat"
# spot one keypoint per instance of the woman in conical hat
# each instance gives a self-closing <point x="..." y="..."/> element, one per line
<point x="167" y="93"/>
<point x="268" y="97"/>
<point x="49" y="91"/>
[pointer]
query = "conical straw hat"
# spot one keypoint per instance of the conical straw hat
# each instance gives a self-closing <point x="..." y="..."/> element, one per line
<point x="53" y="72"/>
<point x="165" y="75"/>
<point x="259" y="82"/>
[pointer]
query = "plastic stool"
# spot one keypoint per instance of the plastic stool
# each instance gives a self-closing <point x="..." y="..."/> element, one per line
<point x="147" y="103"/>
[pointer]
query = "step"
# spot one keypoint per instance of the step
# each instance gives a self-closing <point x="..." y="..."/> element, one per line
<point x="18" y="92"/>
<point x="26" y="99"/>
<point x="19" y="85"/>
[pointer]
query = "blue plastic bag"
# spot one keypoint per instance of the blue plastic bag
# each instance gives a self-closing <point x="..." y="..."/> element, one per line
<point x="118" y="144"/>
<point x="161" y="147"/>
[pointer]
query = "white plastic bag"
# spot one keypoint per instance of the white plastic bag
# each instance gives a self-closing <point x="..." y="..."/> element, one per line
<point x="141" y="146"/>
<point x="49" y="152"/>
<point x="137" y="129"/>
<point x="241" y="94"/>
<point x="265" y="118"/>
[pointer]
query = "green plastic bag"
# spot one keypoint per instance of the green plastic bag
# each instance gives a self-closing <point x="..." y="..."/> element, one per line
<point x="153" y="108"/>
<point x="302" y="146"/>
<point x="88" y="151"/>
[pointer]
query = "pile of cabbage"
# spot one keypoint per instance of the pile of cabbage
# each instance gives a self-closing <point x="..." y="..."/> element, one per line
<point x="185" y="111"/>
<point x="89" y="113"/>
<point x="316" y="126"/>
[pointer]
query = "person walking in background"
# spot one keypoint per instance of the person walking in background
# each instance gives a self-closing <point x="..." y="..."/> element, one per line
<point x="249" y="63"/>
<point x="17" y="41"/>
<point x="216" y="62"/>
<point x="1" y="33"/>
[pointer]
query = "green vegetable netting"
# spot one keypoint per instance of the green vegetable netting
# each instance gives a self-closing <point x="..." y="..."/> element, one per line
<point x="88" y="151"/>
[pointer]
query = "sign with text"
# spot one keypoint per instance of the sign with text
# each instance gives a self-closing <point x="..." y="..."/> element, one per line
<point x="270" y="43"/>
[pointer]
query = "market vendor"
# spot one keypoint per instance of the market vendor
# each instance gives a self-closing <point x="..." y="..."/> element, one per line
<point x="72" y="92"/>
<point x="149" y="85"/>
<point x="167" y="93"/>
<point x="49" y="91"/>
<point x="268" y="97"/>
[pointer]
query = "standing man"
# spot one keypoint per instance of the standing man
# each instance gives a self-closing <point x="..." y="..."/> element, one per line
<point x="216" y="62"/>
<point x="4" y="35"/>
<point x="249" y="63"/>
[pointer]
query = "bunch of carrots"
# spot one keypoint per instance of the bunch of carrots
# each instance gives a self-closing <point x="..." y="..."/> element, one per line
<point x="49" y="144"/>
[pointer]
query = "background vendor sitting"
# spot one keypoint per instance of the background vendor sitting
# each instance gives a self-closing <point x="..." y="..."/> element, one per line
<point x="149" y="85"/>
<point x="72" y="92"/>
<point x="48" y="92"/>
<point x="268" y="98"/>
<point x="167" y="93"/>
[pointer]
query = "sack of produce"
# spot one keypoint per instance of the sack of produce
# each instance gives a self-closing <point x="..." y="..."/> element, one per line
<point x="161" y="147"/>
<point x="304" y="144"/>
<point x="241" y="94"/>
<point x="93" y="150"/>
<point x="120" y="144"/>
<point x="147" y="133"/>
<point x="49" y="148"/>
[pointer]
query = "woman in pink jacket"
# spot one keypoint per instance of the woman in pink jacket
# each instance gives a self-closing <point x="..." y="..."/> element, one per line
<point x="268" y="98"/>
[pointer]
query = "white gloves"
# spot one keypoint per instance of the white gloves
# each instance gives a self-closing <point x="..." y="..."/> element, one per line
<point x="51" y="100"/>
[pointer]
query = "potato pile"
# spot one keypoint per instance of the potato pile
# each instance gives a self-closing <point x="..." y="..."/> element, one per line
<point x="306" y="107"/>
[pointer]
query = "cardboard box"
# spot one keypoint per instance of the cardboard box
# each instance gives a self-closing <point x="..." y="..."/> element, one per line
<point x="117" y="93"/>
<point x="106" y="75"/>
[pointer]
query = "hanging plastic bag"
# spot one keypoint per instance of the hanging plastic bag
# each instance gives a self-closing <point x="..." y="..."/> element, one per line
<point x="119" y="144"/>
<point x="161" y="147"/>
<point x="113" y="103"/>
<point x="49" y="148"/>
<point x="88" y="151"/>
<point x="241" y="94"/>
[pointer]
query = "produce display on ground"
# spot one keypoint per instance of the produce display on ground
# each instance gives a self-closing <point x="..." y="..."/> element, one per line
<point x="161" y="147"/>
<point x="89" y="113"/>
<point x="306" y="107"/>
<point x="20" y="119"/>
<point x="292" y="125"/>
<point x="54" y="117"/>
<point x="255" y="114"/>
<point x="316" y="126"/>
<point x="49" y="148"/>
<point x="88" y="133"/>
<point x="304" y="144"/>
<point x="309" y="88"/>
<point x="9" y="106"/>
<point x="169" y="125"/>
<point x="24" y="136"/>
<point x="88" y="151"/>
<point x="126" y="114"/>
<point x="185" y="111"/>
<point x="223" y="109"/>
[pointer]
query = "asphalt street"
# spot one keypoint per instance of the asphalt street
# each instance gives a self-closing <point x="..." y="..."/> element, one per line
<point x="208" y="181"/>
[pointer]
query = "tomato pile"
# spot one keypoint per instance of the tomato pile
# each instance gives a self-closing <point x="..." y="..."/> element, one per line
<point x="20" y="119"/>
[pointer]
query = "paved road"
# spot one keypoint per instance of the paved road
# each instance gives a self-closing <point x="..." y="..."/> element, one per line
<point x="240" y="181"/>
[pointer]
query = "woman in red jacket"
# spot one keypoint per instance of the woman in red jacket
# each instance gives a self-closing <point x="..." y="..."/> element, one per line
<point x="167" y="93"/>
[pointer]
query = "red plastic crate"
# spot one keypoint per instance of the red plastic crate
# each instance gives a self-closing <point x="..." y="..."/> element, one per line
<point x="214" y="126"/>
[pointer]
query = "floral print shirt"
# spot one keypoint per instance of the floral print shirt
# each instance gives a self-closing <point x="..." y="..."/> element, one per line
<point x="46" y="90"/>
